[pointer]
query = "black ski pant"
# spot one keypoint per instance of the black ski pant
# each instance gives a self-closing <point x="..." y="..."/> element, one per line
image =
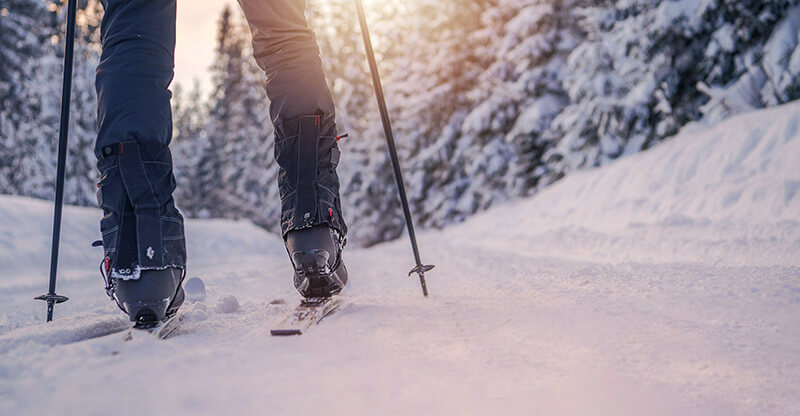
<point x="141" y="227"/>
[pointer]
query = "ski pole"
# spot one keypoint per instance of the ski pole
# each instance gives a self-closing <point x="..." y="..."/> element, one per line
<point x="66" y="91"/>
<point x="419" y="269"/>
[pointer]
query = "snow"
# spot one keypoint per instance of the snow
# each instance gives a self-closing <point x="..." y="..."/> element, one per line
<point x="666" y="283"/>
<point x="686" y="12"/>
<point x="530" y="120"/>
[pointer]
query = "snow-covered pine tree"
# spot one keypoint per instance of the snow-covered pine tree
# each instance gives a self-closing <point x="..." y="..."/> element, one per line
<point x="249" y="176"/>
<point x="647" y="67"/>
<point x="32" y="100"/>
<point x="369" y="197"/>
<point x="428" y="65"/>
<point x="26" y="27"/>
<point x="189" y="114"/>
<point x="486" y="152"/>
<point x="223" y="152"/>
<point x="256" y="177"/>
<point x="561" y="85"/>
<point x="222" y="118"/>
<point x="346" y="71"/>
<point x="442" y="57"/>
<point x="493" y="100"/>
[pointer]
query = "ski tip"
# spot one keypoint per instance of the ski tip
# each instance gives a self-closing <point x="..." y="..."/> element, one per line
<point x="285" y="332"/>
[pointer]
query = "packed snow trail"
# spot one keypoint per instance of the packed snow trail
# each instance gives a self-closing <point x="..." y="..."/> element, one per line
<point x="667" y="283"/>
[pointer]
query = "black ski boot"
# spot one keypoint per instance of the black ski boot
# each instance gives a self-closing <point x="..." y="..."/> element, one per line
<point x="154" y="297"/>
<point x="316" y="255"/>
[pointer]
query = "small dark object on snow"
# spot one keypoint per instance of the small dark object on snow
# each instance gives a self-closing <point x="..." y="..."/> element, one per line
<point x="285" y="332"/>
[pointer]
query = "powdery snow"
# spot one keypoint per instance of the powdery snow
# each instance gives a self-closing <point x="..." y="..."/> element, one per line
<point x="667" y="283"/>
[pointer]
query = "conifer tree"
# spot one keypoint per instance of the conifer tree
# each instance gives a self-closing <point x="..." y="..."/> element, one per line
<point x="225" y="151"/>
<point x="29" y="119"/>
<point x="190" y="114"/>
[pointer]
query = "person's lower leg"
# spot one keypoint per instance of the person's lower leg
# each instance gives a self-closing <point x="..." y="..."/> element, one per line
<point x="143" y="238"/>
<point x="307" y="153"/>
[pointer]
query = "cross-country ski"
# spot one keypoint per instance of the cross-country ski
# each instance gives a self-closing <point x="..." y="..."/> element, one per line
<point x="308" y="313"/>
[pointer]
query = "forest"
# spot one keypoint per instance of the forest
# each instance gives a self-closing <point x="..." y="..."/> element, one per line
<point x="491" y="100"/>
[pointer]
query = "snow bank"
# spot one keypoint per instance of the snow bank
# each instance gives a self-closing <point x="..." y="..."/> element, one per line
<point x="735" y="186"/>
<point x="744" y="170"/>
<point x="26" y="227"/>
<point x="26" y="230"/>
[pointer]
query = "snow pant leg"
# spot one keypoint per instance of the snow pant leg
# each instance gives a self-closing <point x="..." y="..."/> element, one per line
<point x="302" y="111"/>
<point x="285" y="48"/>
<point x="135" y="70"/>
<point x="142" y="229"/>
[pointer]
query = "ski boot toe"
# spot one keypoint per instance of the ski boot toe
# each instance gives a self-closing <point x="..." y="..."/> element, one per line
<point x="155" y="296"/>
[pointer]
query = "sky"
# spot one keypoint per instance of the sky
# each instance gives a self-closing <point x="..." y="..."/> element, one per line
<point x="196" y="29"/>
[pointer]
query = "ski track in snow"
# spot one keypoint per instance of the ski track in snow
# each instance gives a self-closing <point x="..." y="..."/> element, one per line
<point x="665" y="284"/>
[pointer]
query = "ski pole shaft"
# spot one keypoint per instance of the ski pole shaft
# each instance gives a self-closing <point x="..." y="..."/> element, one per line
<point x="420" y="269"/>
<point x="66" y="92"/>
